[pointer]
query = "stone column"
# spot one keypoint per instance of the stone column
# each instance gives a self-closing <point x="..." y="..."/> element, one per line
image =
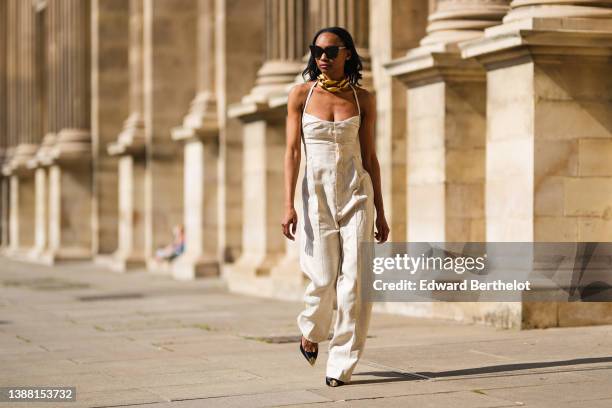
<point x="264" y="126"/>
<point x="53" y="100"/>
<point x="13" y="185"/>
<point x="446" y="128"/>
<point x="286" y="280"/>
<point x="396" y="26"/>
<point x="129" y="149"/>
<point x="284" y="47"/>
<point x="3" y="79"/>
<point x="236" y="70"/>
<point x="199" y="134"/>
<point x="399" y="27"/>
<point x="454" y="21"/>
<point x="4" y="181"/>
<point x="70" y="158"/>
<point x="4" y="211"/>
<point x="29" y="108"/>
<point x="41" y="220"/>
<point x="446" y="124"/>
<point x="110" y="106"/>
<point x="352" y="15"/>
<point x="130" y="252"/>
<point x="169" y="31"/>
<point x="12" y="68"/>
<point x="41" y="113"/>
<point x="549" y="137"/>
<point x="49" y="62"/>
<point x="27" y="116"/>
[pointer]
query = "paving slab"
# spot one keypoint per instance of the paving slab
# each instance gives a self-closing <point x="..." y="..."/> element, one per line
<point x="170" y="343"/>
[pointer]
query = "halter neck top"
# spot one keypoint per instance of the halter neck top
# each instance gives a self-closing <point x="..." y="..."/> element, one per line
<point x="335" y="181"/>
<point x="308" y="119"/>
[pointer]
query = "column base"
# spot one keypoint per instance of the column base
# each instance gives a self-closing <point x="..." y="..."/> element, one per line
<point x="71" y="145"/>
<point x="125" y="262"/>
<point x="287" y="279"/>
<point x="22" y="255"/>
<point x="188" y="267"/>
<point x="38" y="252"/>
<point x="258" y="265"/>
<point x="252" y="275"/>
<point x="51" y="257"/>
<point x="47" y="257"/>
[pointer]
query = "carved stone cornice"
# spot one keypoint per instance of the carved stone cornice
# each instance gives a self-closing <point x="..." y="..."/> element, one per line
<point x="543" y="39"/>
<point x="201" y="122"/>
<point x="71" y="145"/>
<point x="22" y="154"/>
<point x="44" y="154"/>
<point x="524" y="9"/>
<point x="131" y="140"/>
<point x="431" y="66"/>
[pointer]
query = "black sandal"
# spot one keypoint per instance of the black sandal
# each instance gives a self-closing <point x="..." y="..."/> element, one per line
<point x="311" y="356"/>
<point x="333" y="382"/>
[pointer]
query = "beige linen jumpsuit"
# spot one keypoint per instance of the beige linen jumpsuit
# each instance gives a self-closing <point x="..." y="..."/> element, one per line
<point x="338" y="203"/>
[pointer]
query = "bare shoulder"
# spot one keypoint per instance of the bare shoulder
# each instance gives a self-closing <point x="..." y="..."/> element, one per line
<point x="302" y="87"/>
<point x="366" y="98"/>
<point x="362" y="92"/>
<point x="297" y="94"/>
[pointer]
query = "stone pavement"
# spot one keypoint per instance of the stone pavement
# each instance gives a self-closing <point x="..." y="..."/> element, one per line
<point x="146" y="340"/>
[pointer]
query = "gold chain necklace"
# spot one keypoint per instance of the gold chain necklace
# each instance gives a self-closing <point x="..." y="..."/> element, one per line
<point x="333" y="85"/>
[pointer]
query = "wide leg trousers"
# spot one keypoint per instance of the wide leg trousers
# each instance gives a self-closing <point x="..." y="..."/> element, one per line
<point x="334" y="269"/>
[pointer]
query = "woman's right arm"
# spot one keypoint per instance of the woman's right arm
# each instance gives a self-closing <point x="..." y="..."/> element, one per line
<point x="292" y="159"/>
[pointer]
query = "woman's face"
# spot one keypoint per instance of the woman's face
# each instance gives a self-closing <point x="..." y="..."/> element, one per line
<point x="333" y="67"/>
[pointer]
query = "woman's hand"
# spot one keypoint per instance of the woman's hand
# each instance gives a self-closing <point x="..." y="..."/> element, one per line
<point x="290" y="223"/>
<point x="382" y="229"/>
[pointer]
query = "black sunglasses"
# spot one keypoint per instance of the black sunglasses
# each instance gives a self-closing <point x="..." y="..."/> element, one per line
<point x="331" y="51"/>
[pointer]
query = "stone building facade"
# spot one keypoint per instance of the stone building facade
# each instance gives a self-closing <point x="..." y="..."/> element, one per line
<point x="120" y="119"/>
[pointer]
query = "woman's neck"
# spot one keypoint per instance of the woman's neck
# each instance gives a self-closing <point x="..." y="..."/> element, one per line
<point x="338" y="77"/>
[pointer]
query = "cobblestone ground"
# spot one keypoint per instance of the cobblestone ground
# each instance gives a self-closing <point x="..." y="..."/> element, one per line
<point x="146" y="340"/>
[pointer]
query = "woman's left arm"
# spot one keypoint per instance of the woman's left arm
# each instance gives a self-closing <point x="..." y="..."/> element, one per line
<point x="367" y="139"/>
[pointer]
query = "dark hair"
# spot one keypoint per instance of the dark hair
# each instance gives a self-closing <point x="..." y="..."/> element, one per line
<point x="352" y="67"/>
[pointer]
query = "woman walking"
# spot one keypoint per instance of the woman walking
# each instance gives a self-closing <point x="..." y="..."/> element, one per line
<point x="341" y="198"/>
